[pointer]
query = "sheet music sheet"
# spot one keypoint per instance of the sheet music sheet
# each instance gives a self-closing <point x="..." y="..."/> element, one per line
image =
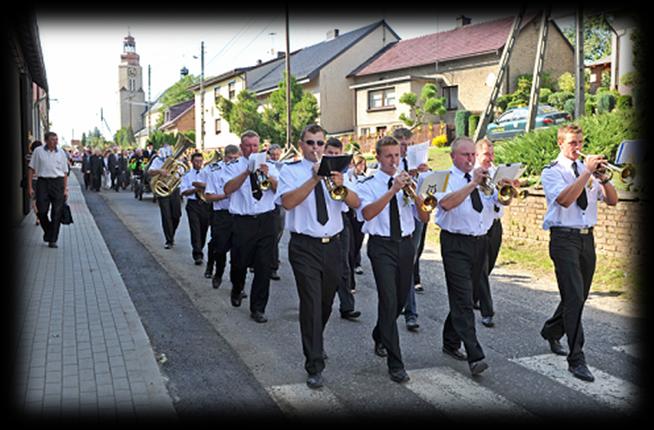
<point x="508" y="171"/>
<point x="256" y="159"/>
<point x="417" y="155"/>
<point x="435" y="182"/>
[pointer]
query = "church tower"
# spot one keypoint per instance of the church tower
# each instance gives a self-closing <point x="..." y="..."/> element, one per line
<point x="130" y="87"/>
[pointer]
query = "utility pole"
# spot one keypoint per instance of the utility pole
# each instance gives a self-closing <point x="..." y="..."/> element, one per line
<point x="149" y="100"/>
<point x="202" y="96"/>
<point x="288" y="86"/>
<point x="580" y="104"/>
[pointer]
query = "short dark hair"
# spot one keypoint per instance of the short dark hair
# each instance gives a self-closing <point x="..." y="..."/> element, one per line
<point x="247" y="134"/>
<point x="35" y="145"/>
<point x="332" y="141"/>
<point x="385" y="141"/>
<point x="48" y="135"/>
<point x="196" y="154"/>
<point x="231" y="149"/>
<point x="402" y="132"/>
<point x="311" y="128"/>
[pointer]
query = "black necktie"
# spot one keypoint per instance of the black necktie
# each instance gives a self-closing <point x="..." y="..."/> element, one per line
<point x="256" y="191"/>
<point x="321" y="206"/>
<point x="474" y="196"/>
<point x="406" y="165"/>
<point x="582" y="200"/>
<point x="396" y="230"/>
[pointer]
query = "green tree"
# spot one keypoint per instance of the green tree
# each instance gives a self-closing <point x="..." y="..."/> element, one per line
<point x="597" y="37"/>
<point x="421" y="108"/>
<point x="179" y="92"/>
<point x="241" y="115"/>
<point x="566" y="82"/>
<point x="84" y="143"/>
<point x="125" y="137"/>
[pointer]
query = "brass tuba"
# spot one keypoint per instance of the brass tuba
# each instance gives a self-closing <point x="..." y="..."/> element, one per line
<point x="163" y="186"/>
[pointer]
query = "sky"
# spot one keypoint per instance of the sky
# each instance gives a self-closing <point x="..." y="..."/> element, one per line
<point x="82" y="53"/>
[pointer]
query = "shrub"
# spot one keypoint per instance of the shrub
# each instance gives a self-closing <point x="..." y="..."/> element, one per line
<point x="624" y="102"/>
<point x="569" y="106"/>
<point x="558" y="100"/>
<point x="461" y="122"/>
<point x="439" y="141"/>
<point x="472" y="124"/>
<point x="566" y="82"/>
<point x="503" y="101"/>
<point x="544" y="94"/>
<point x="605" y="103"/>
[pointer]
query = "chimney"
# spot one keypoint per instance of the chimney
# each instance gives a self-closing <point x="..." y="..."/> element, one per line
<point x="462" y="21"/>
<point x="259" y="62"/>
<point x="281" y="54"/>
<point x="332" y="34"/>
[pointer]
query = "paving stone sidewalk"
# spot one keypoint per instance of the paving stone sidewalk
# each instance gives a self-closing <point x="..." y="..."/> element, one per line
<point x="82" y="350"/>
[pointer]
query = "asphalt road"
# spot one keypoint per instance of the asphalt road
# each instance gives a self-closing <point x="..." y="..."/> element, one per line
<point x="220" y="361"/>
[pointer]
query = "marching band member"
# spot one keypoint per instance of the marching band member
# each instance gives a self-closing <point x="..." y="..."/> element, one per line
<point x="572" y="192"/>
<point x="198" y="212"/>
<point x="389" y="222"/>
<point x="170" y="206"/>
<point x="463" y="216"/>
<point x="254" y="227"/>
<point x="314" y="251"/>
<point x="222" y="222"/>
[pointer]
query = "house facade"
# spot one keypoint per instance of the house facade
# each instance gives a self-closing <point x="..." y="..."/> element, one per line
<point x="463" y="63"/>
<point x="179" y="118"/>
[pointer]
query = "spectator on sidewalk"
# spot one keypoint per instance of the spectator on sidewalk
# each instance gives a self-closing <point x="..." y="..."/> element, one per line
<point x="97" y="169"/>
<point x="51" y="165"/>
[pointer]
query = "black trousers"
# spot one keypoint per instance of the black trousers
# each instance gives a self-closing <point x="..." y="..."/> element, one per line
<point x="345" y="296"/>
<point x="316" y="268"/>
<point x="199" y="217"/>
<point x="463" y="258"/>
<point x="253" y="242"/>
<point x="87" y="180"/>
<point x="222" y="223"/>
<point x="96" y="179"/>
<point x="114" y="179"/>
<point x="574" y="260"/>
<point x="421" y="247"/>
<point x="481" y="289"/>
<point x="279" y="232"/>
<point x="50" y="193"/>
<point x="355" y="245"/>
<point x="171" y="212"/>
<point x="392" y="266"/>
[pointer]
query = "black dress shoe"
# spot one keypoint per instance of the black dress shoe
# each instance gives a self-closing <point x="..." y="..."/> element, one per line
<point x="475" y="305"/>
<point x="476" y="367"/>
<point x="350" y="315"/>
<point x="399" y="375"/>
<point x="215" y="282"/>
<point x="168" y="245"/>
<point x="198" y="261"/>
<point x="235" y="298"/>
<point x="455" y="353"/>
<point x="488" y="321"/>
<point x="380" y="350"/>
<point x="314" y="381"/>
<point x="582" y="372"/>
<point x="259" y="317"/>
<point x="556" y="348"/>
<point x="412" y="325"/>
<point x="52" y="245"/>
<point x="324" y="355"/>
<point x="274" y="276"/>
<point x="207" y="274"/>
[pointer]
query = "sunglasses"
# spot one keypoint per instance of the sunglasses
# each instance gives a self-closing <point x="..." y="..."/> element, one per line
<point x="314" y="142"/>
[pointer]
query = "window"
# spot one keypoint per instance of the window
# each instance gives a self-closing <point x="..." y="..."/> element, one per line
<point x="380" y="99"/>
<point x="231" y="87"/>
<point x="381" y="131"/>
<point x="365" y="131"/>
<point x="218" y="129"/>
<point x="451" y="95"/>
<point x="216" y="92"/>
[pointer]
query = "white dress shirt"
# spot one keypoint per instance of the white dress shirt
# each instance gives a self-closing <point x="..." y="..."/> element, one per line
<point x="215" y="185"/>
<point x="556" y="177"/>
<point x="464" y="219"/>
<point x="371" y="189"/>
<point x="241" y="201"/>
<point x="303" y="218"/>
<point x="188" y="179"/>
<point x="500" y="208"/>
<point x="49" y="164"/>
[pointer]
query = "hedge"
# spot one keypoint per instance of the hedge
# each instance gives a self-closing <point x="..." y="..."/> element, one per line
<point x="461" y="122"/>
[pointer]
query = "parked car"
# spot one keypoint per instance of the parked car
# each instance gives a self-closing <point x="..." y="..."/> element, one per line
<point x="514" y="121"/>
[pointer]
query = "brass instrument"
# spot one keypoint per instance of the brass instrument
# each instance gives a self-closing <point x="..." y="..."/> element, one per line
<point x="217" y="156"/>
<point x="262" y="180"/>
<point x="336" y="192"/>
<point x="627" y="172"/>
<point x="429" y="202"/>
<point x="505" y="193"/>
<point x="163" y="186"/>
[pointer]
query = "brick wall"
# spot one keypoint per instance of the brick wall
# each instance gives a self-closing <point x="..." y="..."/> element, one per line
<point x="617" y="232"/>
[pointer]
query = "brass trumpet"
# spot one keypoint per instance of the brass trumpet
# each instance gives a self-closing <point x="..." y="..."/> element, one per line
<point x="505" y="193"/>
<point x="336" y="192"/>
<point x="263" y="183"/>
<point x="429" y="202"/>
<point x="627" y="172"/>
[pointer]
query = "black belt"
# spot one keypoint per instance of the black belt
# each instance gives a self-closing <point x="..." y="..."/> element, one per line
<point x="326" y="239"/>
<point x="587" y="230"/>
<point x="387" y="238"/>
<point x="467" y="236"/>
<point x="254" y="216"/>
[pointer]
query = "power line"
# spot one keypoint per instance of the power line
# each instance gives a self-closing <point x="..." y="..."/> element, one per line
<point x="257" y="36"/>
<point x="230" y="41"/>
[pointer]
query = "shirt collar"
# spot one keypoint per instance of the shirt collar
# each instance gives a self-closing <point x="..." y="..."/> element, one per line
<point x="383" y="176"/>
<point x="565" y="161"/>
<point x="456" y="171"/>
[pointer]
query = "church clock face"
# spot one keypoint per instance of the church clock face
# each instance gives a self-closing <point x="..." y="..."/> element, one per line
<point x="131" y="72"/>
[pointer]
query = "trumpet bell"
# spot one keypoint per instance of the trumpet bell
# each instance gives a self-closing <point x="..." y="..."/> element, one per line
<point x="429" y="203"/>
<point x="336" y="192"/>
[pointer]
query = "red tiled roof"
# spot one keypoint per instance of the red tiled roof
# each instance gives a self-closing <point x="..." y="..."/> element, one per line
<point x="470" y="40"/>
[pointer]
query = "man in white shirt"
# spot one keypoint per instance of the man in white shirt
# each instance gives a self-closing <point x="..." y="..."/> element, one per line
<point x="222" y="222"/>
<point x="51" y="165"/>
<point x="464" y="215"/>
<point x="274" y="155"/>
<point x="315" y="222"/>
<point x="389" y="221"/>
<point x="572" y="190"/>
<point x="254" y="227"/>
<point x="198" y="212"/>
<point x="170" y="206"/>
